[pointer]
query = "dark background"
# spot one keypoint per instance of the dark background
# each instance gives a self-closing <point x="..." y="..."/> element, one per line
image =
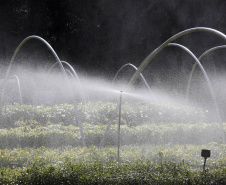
<point x="98" y="36"/>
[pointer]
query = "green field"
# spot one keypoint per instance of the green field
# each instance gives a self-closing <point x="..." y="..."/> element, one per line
<point x="159" y="145"/>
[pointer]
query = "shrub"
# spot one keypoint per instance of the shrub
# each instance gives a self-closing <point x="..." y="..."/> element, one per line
<point x="56" y="135"/>
<point x="100" y="113"/>
<point x="140" y="172"/>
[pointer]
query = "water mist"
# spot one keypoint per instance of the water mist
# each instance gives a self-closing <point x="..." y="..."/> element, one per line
<point x="61" y="67"/>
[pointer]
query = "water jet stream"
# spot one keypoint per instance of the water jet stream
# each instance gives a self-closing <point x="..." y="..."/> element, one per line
<point x="133" y="66"/>
<point x="74" y="75"/>
<point x="195" y="65"/>
<point x="163" y="45"/>
<point x="68" y="65"/>
<point x="69" y="73"/>
<point x="19" y="88"/>
<point x="61" y="67"/>
<point x="209" y="86"/>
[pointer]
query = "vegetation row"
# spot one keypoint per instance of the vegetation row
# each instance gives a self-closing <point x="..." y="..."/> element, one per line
<point x="186" y="154"/>
<point x="42" y="145"/>
<point x="100" y="113"/>
<point x="32" y="134"/>
<point x="141" y="172"/>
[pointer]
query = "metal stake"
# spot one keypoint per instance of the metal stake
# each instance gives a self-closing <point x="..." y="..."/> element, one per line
<point x="119" y="122"/>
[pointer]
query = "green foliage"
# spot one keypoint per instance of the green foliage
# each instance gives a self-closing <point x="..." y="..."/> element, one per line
<point x="100" y="113"/>
<point x="55" y="135"/>
<point x="96" y="172"/>
<point x="146" y="164"/>
<point x="41" y="145"/>
<point x="184" y="154"/>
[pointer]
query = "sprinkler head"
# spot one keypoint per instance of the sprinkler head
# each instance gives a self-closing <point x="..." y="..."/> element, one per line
<point x="205" y="153"/>
<point x="119" y="91"/>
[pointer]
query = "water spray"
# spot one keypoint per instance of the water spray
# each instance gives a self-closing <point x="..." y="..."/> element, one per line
<point x="119" y="122"/>
<point x="149" y="58"/>
<point x="61" y="67"/>
<point x="209" y="86"/>
<point x="19" y="88"/>
<point x="195" y="65"/>
<point x="133" y="66"/>
<point x="74" y="75"/>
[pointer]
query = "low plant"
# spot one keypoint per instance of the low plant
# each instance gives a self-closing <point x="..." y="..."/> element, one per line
<point x="184" y="154"/>
<point x="55" y="135"/>
<point x="97" y="172"/>
<point x="101" y="113"/>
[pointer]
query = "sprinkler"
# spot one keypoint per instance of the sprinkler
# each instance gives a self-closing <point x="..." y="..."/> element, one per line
<point x="205" y="153"/>
<point x="119" y="121"/>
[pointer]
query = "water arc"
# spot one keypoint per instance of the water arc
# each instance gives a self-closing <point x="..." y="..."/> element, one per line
<point x="61" y="67"/>
<point x="19" y="88"/>
<point x="171" y="39"/>
<point x="15" y="54"/>
<point x="69" y="72"/>
<point x="209" y="86"/>
<point x="195" y="65"/>
<point x="148" y="59"/>
<point x="70" y="67"/>
<point x="113" y="81"/>
<point x="134" y="67"/>
<point x="74" y="75"/>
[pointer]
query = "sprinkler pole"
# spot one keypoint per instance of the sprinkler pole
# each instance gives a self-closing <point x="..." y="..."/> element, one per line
<point x="119" y="122"/>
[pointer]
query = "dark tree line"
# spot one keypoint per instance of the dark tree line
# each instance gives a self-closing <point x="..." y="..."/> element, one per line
<point x="100" y="36"/>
